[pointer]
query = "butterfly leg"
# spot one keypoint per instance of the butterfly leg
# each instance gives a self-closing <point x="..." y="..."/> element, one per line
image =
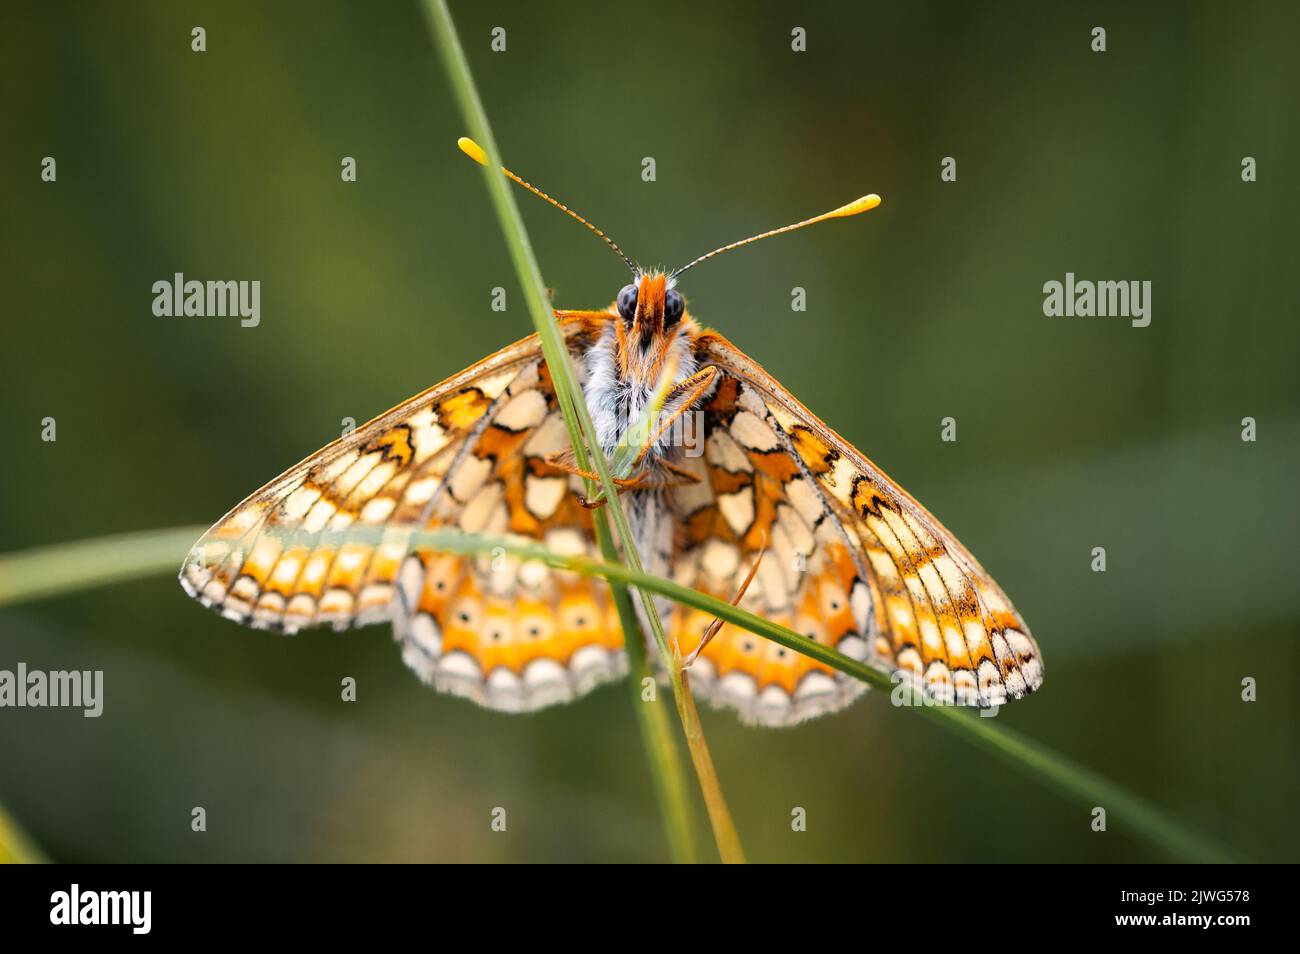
<point x="688" y="476"/>
<point x="623" y="484"/>
<point x="685" y="395"/>
<point x="716" y="626"/>
<point x="560" y="463"/>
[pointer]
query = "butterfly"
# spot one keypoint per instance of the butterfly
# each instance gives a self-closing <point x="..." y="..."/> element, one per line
<point x="764" y="501"/>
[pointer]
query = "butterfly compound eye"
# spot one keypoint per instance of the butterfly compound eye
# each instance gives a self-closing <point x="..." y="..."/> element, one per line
<point x="627" y="302"/>
<point x="673" y="308"/>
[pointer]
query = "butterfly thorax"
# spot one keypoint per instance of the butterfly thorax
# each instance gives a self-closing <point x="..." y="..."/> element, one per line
<point x="647" y="347"/>
<point x="641" y="357"/>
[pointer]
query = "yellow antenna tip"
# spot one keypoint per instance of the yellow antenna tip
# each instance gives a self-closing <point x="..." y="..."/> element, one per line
<point x="472" y="149"/>
<point x="864" y="204"/>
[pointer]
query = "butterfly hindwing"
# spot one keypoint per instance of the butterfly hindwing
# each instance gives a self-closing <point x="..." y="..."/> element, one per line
<point x="753" y="499"/>
<point x="510" y="635"/>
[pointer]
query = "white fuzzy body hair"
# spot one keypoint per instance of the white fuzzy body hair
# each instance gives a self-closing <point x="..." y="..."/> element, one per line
<point x="615" y="404"/>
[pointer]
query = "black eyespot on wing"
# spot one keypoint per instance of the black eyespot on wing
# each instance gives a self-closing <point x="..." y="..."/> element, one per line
<point x="627" y="303"/>
<point x="673" y="308"/>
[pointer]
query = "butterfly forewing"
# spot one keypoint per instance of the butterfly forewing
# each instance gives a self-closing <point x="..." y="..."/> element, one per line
<point x="330" y="541"/>
<point x="302" y="550"/>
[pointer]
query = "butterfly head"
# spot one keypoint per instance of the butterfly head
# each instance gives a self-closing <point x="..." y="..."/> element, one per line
<point x="649" y="306"/>
<point x="650" y="313"/>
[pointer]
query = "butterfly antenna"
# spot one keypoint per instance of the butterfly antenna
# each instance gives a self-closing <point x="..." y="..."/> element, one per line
<point x="863" y="204"/>
<point x="475" y="152"/>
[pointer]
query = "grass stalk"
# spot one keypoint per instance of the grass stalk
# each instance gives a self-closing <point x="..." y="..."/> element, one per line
<point x="67" y="568"/>
<point x="582" y="435"/>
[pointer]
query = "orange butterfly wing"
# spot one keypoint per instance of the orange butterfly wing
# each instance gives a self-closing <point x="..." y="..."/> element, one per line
<point x="329" y="541"/>
<point x="852" y="560"/>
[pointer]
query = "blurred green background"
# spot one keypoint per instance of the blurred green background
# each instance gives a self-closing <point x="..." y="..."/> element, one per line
<point x="1071" y="433"/>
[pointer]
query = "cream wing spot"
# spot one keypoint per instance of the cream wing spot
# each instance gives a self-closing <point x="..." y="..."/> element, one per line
<point x="952" y="577"/>
<point x="860" y="600"/>
<point x="813" y="685"/>
<point x="239" y="523"/>
<point x="286" y="570"/>
<point x="752" y="432"/>
<point x="421" y="491"/>
<point x="550" y="438"/>
<point x="884" y="568"/>
<point x="521" y="412"/>
<point x="492" y="387"/>
<point x="720" y="560"/>
<point x="480" y="514"/>
<point x="352" y="557"/>
<point x="1030" y="665"/>
<point x="854" y="647"/>
<point x="318" y="516"/>
<point x="542" y="495"/>
<point x="330" y="469"/>
<point x="469" y="476"/>
<point x="426" y="634"/>
<point x="460" y="665"/>
<point x="738" y="509"/>
<point x="800" y="538"/>
<point x="690" y="496"/>
<point x="722" y="451"/>
<point x="336" y="604"/>
<point x="909" y="660"/>
<point x="534" y="575"/>
<point x="340" y="521"/>
<point x="566" y="541"/>
<point x="375" y="480"/>
<point x="738" y="687"/>
<point x="377" y="510"/>
<point x="773" y="585"/>
<point x="313" y="573"/>
<point x="301" y="608"/>
<point x="410" y="580"/>
<point x="955" y="644"/>
<point x="933" y="585"/>
<point x="527" y="379"/>
<point x="350" y="478"/>
<point x="297" y="504"/>
<point x="990" y="684"/>
<point x="801" y="493"/>
<point x="930" y="637"/>
<point x="774" y="698"/>
<point x="839" y="481"/>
